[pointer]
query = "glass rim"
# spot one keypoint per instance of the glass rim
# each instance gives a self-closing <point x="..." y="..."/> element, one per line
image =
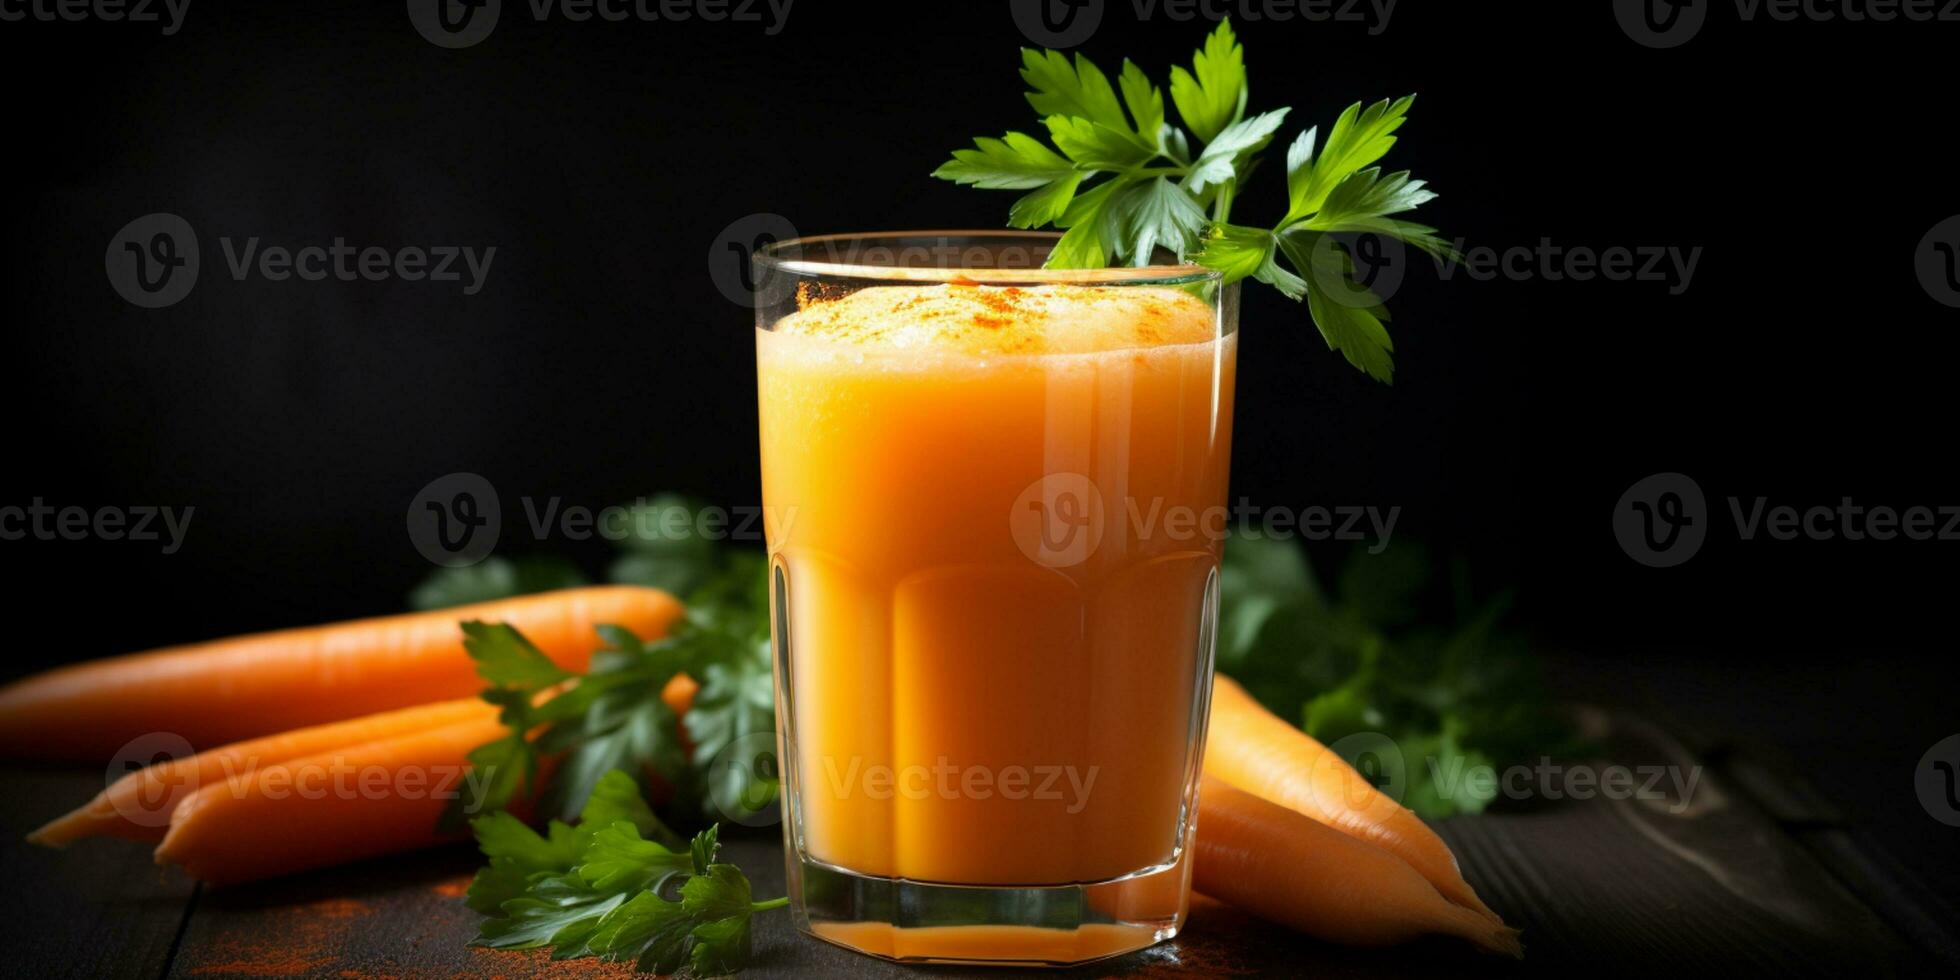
<point x="777" y="256"/>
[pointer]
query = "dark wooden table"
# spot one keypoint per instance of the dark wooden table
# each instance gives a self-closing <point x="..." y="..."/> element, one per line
<point x="1745" y="881"/>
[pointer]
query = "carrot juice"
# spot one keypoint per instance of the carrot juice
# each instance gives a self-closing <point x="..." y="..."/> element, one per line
<point x="994" y="595"/>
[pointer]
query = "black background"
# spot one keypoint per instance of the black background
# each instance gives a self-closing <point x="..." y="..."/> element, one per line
<point x="1803" y="363"/>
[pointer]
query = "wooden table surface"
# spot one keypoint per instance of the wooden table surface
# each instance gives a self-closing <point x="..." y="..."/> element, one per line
<point x="1735" y="884"/>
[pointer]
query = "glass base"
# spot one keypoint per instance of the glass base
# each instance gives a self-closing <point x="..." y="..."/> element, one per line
<point x="920" y="922"/>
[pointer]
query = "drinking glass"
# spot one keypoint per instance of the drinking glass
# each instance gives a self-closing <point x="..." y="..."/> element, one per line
<point x="995" y="497"/>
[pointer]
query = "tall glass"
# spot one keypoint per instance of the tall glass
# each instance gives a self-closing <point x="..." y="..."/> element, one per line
<point x="995" y="497"/>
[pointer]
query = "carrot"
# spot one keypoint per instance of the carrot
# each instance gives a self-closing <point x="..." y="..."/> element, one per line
<point x="1285" y="867"/>
<point x="226" y="690"/>
<point x="1252" y="749"/>
<point x="679" y="692"/>
<point x="341" y="805"/>
<point x="230" y="829"/>
<point x="139" y="805"/>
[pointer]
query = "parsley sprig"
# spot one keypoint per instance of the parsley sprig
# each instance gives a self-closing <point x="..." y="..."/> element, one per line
<point x="612" y="716"/>
<point x="600" y="888"/>
<point x="1122" y="184"/>
<point x="1384" y="652"/>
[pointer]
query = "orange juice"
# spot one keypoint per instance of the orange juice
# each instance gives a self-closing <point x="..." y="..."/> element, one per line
<point x="993" y="607"/>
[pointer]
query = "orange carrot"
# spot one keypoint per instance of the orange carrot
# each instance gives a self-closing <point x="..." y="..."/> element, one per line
<point x="223" y="691"/>
<point x="333" y="807"/>
<point x="1285" y="867"/>
<point x="1254" y="750"/>
<point x="139" y="805"/>
<point x="679" y="692"/>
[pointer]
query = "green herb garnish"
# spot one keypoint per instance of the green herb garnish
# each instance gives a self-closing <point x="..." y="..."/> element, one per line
<point x="1414" y="706"/>
<point x="1123" y="184"/>
<point x="598" y="888"/>
<point x="613" y="716"/>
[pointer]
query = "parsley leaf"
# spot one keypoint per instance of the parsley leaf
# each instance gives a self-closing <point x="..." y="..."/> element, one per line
<point x="1154" y="212"/>
<point x="1242" y="252"/>
<point x="1090" y="229"/>
<point x="1348" y="315"/>
<point x="1221" y="160"/>
<point x="1080" y="91"/>
<point x="1015" y="161"/>
<point x="613" y="717"/>
<point x="506" y="659"/>
<point x="595" y="889"/>
<point x="1096" y="146"/>
<point x="1145" y="100"/>
<point x="1212" y="94"/>
<point x="519" y="674"/>
<point x="1362" y="658"/>
<point x="1359" y="138"/>
<point x="516" y="852"/>
<point x="1123" y="186"/>
<point x="1045" y="205"/>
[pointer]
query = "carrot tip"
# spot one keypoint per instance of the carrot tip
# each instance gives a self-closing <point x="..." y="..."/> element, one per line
<point x="49" y="835"/>
<point x="1505" y="941"/>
